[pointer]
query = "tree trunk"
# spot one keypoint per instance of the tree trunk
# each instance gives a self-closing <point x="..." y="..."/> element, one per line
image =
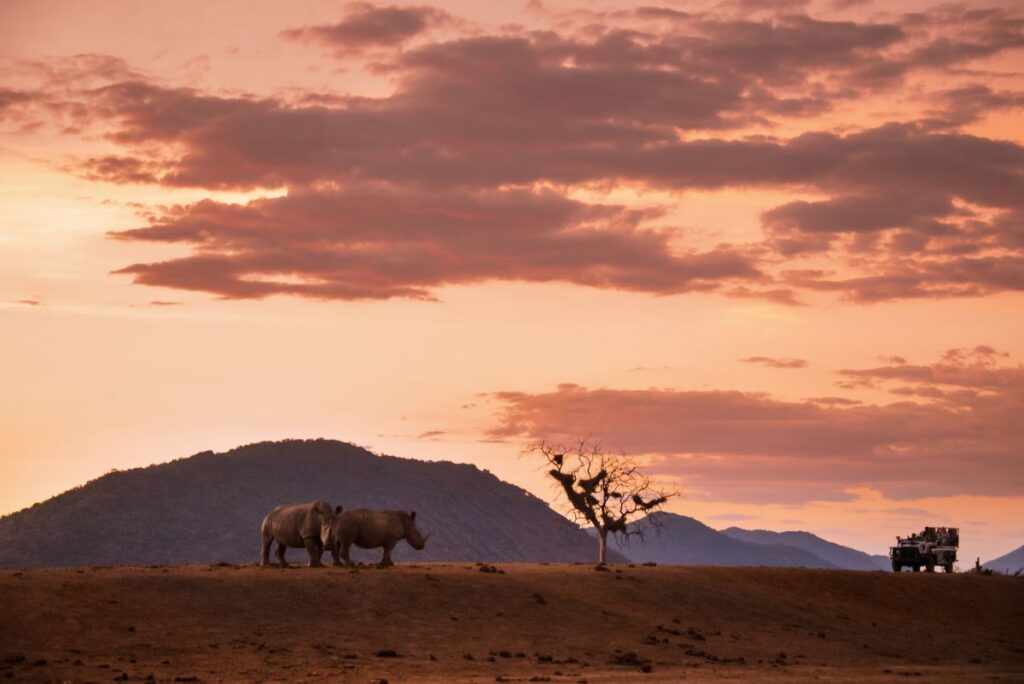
<point x="602" y="550"/>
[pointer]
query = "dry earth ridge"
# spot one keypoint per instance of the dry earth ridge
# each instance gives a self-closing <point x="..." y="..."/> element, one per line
<point x="507" y="622"/>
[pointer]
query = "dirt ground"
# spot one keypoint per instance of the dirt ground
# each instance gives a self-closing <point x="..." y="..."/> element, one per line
<point x="525" y="623"/>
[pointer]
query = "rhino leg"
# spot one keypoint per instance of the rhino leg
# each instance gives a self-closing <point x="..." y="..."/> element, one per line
<point x="315" y="549"/>
<point x="335" y="559"/>
<point x="265" y="551"/>
<point x="386" y="560"/>
<point x="266" y="541"/>
<point x="279" y="552"/>
<point x="345" y="547"/>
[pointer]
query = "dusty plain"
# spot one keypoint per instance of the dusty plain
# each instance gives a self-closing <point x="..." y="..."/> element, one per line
<point x="515" y="622"/>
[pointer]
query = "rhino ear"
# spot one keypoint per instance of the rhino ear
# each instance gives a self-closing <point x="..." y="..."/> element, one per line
<point x="412" y="514"/>
<point x="338" y="509"/>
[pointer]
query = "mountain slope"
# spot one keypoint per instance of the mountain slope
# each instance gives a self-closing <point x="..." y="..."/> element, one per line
<point x="835" y="554"/>
<point x="208" y="508"/>
<point x="1011" y="562"/>
<point x="684" y="541"/>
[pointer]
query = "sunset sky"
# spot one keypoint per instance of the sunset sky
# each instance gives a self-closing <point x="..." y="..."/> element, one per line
<point x="775" y="248"/>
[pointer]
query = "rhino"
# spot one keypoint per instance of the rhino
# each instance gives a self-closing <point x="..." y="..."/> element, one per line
<point x="370" y="529"/>
<point x="299" y="526"/>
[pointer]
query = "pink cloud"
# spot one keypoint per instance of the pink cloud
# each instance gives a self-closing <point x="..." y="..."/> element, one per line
<point x="366" y="25"/>
<point x="775" y="363"/>
<point x="911" y="209"/>
<point x="752" y="445"/>
<point x="10" y="98"/>
<point x="966" y="104"/>
<point x="378" y="242"/>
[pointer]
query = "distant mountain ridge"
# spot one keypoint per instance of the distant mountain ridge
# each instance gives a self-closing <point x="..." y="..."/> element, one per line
<point x="207" y="508"/>
<point x="1010" y="562"/>
<point x="835" y="554"/>
<point x="681" y="540"/>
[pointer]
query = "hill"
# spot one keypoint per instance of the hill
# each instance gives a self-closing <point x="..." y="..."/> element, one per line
<point x="830" y="552"/>
<point x="1011" y="562"/>
<point x="208" y="508"/>
<point x="681" y="540"/>
<point x="442" y="623"/>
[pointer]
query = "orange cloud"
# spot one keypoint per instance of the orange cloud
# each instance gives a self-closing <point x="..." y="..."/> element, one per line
<point x="367" y="26"/>
<point x="776" y="363"/>
<point x="375" y="242"/>
<point x="484" y="133"/>
<point x="752" y="447"/>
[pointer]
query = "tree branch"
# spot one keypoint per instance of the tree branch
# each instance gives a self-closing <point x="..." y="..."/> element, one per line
<point x="606" y="489"/>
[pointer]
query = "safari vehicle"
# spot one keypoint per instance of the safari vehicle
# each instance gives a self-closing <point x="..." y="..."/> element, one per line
<point x="936" y="546"/>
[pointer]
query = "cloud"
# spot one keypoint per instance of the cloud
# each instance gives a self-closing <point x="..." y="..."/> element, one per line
<point x="776" y="363"/>
<point x="647" y="98"/>
<point x="589" y="100"/>
<point x="834" y="401"/>
<point x="924" y="278"/>
<point x="377" y="242"/>
<point x="966" y="104"/>
<point x="10" y="98"/>
<point x="576" y="129"/>
<point x="16" y="109"/>
<point x="772" y="5"/>
<point x="125" y="169"/>
<point x="735" y="445"/>
<point x="245" y="143"/>
<point x="910" y="512"/>
<point x="731" y="517"/>
<point x="840" y="5"/>
<point x="82" y="70"/>
<point x="366" y="26"/>
<point x="976" y="369"/>
<point x="854" y="214"/>
<point x="979" y="33"/>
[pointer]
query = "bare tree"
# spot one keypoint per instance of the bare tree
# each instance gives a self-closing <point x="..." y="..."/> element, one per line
<point x="605" y="489"/>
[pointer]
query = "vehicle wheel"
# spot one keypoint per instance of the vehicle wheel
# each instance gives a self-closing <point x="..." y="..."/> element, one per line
<point x="896" y="566"/>
<point x="917" y="568"/>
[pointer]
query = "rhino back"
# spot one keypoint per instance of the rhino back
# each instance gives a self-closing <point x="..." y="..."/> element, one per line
<point x="369" y="529"/>
<point x="287" y="523"/>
